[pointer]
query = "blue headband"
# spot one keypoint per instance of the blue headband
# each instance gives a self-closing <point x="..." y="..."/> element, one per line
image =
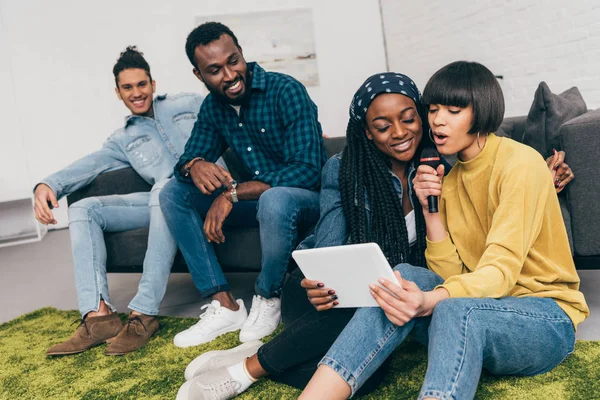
<point x="385" y="82"/>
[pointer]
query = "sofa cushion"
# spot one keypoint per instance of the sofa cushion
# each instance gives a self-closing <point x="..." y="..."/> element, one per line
<point x="577" y="138"/>
<point x="547" y="114"/>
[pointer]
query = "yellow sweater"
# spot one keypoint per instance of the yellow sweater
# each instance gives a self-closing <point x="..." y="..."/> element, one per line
<point x="507" y="236"/>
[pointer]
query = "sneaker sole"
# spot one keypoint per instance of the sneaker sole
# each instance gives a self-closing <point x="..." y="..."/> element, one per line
<point x="211" y="338"/>
<point x="206" y="357"/>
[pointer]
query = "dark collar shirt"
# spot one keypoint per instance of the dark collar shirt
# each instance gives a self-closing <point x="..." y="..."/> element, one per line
<point x="276" y="135"/>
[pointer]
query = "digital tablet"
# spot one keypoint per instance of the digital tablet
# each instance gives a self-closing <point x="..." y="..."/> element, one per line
<point x="349" y="270"/>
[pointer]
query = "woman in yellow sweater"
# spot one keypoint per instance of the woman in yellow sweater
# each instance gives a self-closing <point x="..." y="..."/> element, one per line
<point x="501" y="291"/>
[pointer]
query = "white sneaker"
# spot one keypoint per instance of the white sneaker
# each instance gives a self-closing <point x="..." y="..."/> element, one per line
<point x="264" y="317"/>
<point x="212" y="360"/>
<point x="215" y="321"/>
<point x="214" y="385"/>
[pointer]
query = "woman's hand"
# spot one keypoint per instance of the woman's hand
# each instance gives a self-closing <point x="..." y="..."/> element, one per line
<point x="561" y="172"/>
<point x="428" y="182"/>
<point x="407" y="301"/>
<point x="319" y="296"/>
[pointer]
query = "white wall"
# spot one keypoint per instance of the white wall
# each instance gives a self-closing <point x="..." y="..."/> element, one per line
<point x="62" y="52"/>
<point x="14" y="173"/>
<point x="526" y="41"/>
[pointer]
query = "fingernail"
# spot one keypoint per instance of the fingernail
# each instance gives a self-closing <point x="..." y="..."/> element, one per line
<point x="381" y="280"/>
<point x="331" y="292"/>
<point x="554" y="150"/>
<point x="335" y="303"/>
<point x="320" y="284"/>
<point x="556" y="185"/>
<point x="372" y="287"/>
<point x="334" y="297"/>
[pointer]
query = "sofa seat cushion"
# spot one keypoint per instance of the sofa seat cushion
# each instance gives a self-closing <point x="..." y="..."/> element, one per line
<point x="240" y="252"/>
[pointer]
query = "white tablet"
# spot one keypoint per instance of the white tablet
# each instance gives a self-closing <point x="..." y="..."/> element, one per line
<point x="349" y="270"/>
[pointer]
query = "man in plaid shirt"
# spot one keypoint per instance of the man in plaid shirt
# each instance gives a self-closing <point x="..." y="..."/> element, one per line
<point x="270" y="123"/>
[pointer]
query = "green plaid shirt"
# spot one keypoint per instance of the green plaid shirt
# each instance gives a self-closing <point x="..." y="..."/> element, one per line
<point x="276" y="136"/>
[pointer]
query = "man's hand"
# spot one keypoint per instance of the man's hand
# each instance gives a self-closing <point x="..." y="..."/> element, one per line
<point x="320" y="297"/>
<point x="209" y="177"/>
<point x="213" y="223"/>
<point x="561" y="172"/>
<point x="44" y="194"/>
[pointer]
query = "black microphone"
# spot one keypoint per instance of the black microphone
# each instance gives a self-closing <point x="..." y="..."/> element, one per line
<point x="429" y="156"/>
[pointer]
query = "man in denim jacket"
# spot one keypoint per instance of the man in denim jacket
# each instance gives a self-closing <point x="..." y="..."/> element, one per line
<point x="151" y="142"/>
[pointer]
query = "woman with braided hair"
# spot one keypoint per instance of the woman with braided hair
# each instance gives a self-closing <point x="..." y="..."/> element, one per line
<point x="366" y="196"/>
<point x="501" y="291"/>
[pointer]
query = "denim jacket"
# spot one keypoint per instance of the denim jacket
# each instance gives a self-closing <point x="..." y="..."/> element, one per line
<point x="331" y="229"/>
<point x="151" y="146"/>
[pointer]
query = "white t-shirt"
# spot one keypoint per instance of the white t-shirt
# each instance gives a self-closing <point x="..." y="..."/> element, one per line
<point x="411" y="227"/>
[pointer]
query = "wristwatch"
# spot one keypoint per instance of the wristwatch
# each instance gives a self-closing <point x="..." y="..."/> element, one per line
<point x="234" y="198"/>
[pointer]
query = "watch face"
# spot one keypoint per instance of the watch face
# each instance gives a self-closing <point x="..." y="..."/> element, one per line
<point x="233" y="183"/>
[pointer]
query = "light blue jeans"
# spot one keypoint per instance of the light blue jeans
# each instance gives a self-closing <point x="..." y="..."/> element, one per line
<point x="89" y="218"/>
<point x="282" y="214"/>
<point x="508" y="336"/>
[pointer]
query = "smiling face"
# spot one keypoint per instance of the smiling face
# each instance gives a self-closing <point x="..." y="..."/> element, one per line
<point x="450" y="126"/>
<point x="222" y="68"/>
<point x="136" y="89"/>
<point x="394" y="126"/>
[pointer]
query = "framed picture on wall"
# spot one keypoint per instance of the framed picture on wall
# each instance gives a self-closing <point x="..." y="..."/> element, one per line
<point x="280" y="41"/>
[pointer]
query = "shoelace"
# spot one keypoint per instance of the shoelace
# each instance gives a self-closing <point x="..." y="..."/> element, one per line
<point x="224" y="387"/>
<point x="255" y="310"/>
<point x="82" y="322"/>
<point x="207" y="316"/>
<point x="134" y="319"/>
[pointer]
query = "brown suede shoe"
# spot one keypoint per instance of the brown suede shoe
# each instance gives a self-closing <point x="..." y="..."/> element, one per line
<point x="137" y="332"/>
<point x="91" y="332"/>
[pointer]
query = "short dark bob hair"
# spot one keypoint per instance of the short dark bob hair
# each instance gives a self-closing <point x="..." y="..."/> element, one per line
<point x="464" y="83"/>
<point x="204" y="34"/>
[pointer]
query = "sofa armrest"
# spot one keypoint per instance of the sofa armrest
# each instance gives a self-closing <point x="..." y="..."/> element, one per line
<point x="121" y="181"/>
<point x="580" y="139"/>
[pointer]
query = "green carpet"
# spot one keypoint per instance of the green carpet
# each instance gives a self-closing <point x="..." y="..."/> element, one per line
<point x="156" y="371"/>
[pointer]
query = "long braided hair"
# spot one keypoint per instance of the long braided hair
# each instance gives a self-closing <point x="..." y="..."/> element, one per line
<point x="365" y="171"/>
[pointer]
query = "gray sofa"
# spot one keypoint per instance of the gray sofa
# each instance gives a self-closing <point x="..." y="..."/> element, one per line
<point x="580" y="139"/>
<point x="125" y="250"/>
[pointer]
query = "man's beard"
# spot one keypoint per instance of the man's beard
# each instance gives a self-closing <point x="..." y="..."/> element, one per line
<point x="238" y="101"/>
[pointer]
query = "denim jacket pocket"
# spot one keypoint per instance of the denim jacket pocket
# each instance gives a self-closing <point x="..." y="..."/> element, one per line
<point x="141" y="152"/>
<point x="185" y="122"/>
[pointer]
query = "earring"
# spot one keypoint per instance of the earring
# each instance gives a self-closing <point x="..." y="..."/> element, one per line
<point x="478" y="145"/>
<point x="431" y="136"/>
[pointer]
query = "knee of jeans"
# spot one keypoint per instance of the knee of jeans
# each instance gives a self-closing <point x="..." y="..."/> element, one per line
<point x="424" y="278"/>
<point x="171" y="193"/>
<point x="275" y="202"/>
<point x="155" y="192"/>
<point x="83" y="209"/>
<point x="450" y="312"/>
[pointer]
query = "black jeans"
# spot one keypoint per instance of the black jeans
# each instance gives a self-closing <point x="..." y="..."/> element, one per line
<point x="292" y="356"/>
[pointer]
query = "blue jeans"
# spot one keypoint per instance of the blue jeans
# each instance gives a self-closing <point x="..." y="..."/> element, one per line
<point x="280" y="213"/>
<point x="89" y="218"/>
<point x="508" y="336"/>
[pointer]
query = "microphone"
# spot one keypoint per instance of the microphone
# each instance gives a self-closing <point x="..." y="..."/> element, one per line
<point x="429" y="156"/>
